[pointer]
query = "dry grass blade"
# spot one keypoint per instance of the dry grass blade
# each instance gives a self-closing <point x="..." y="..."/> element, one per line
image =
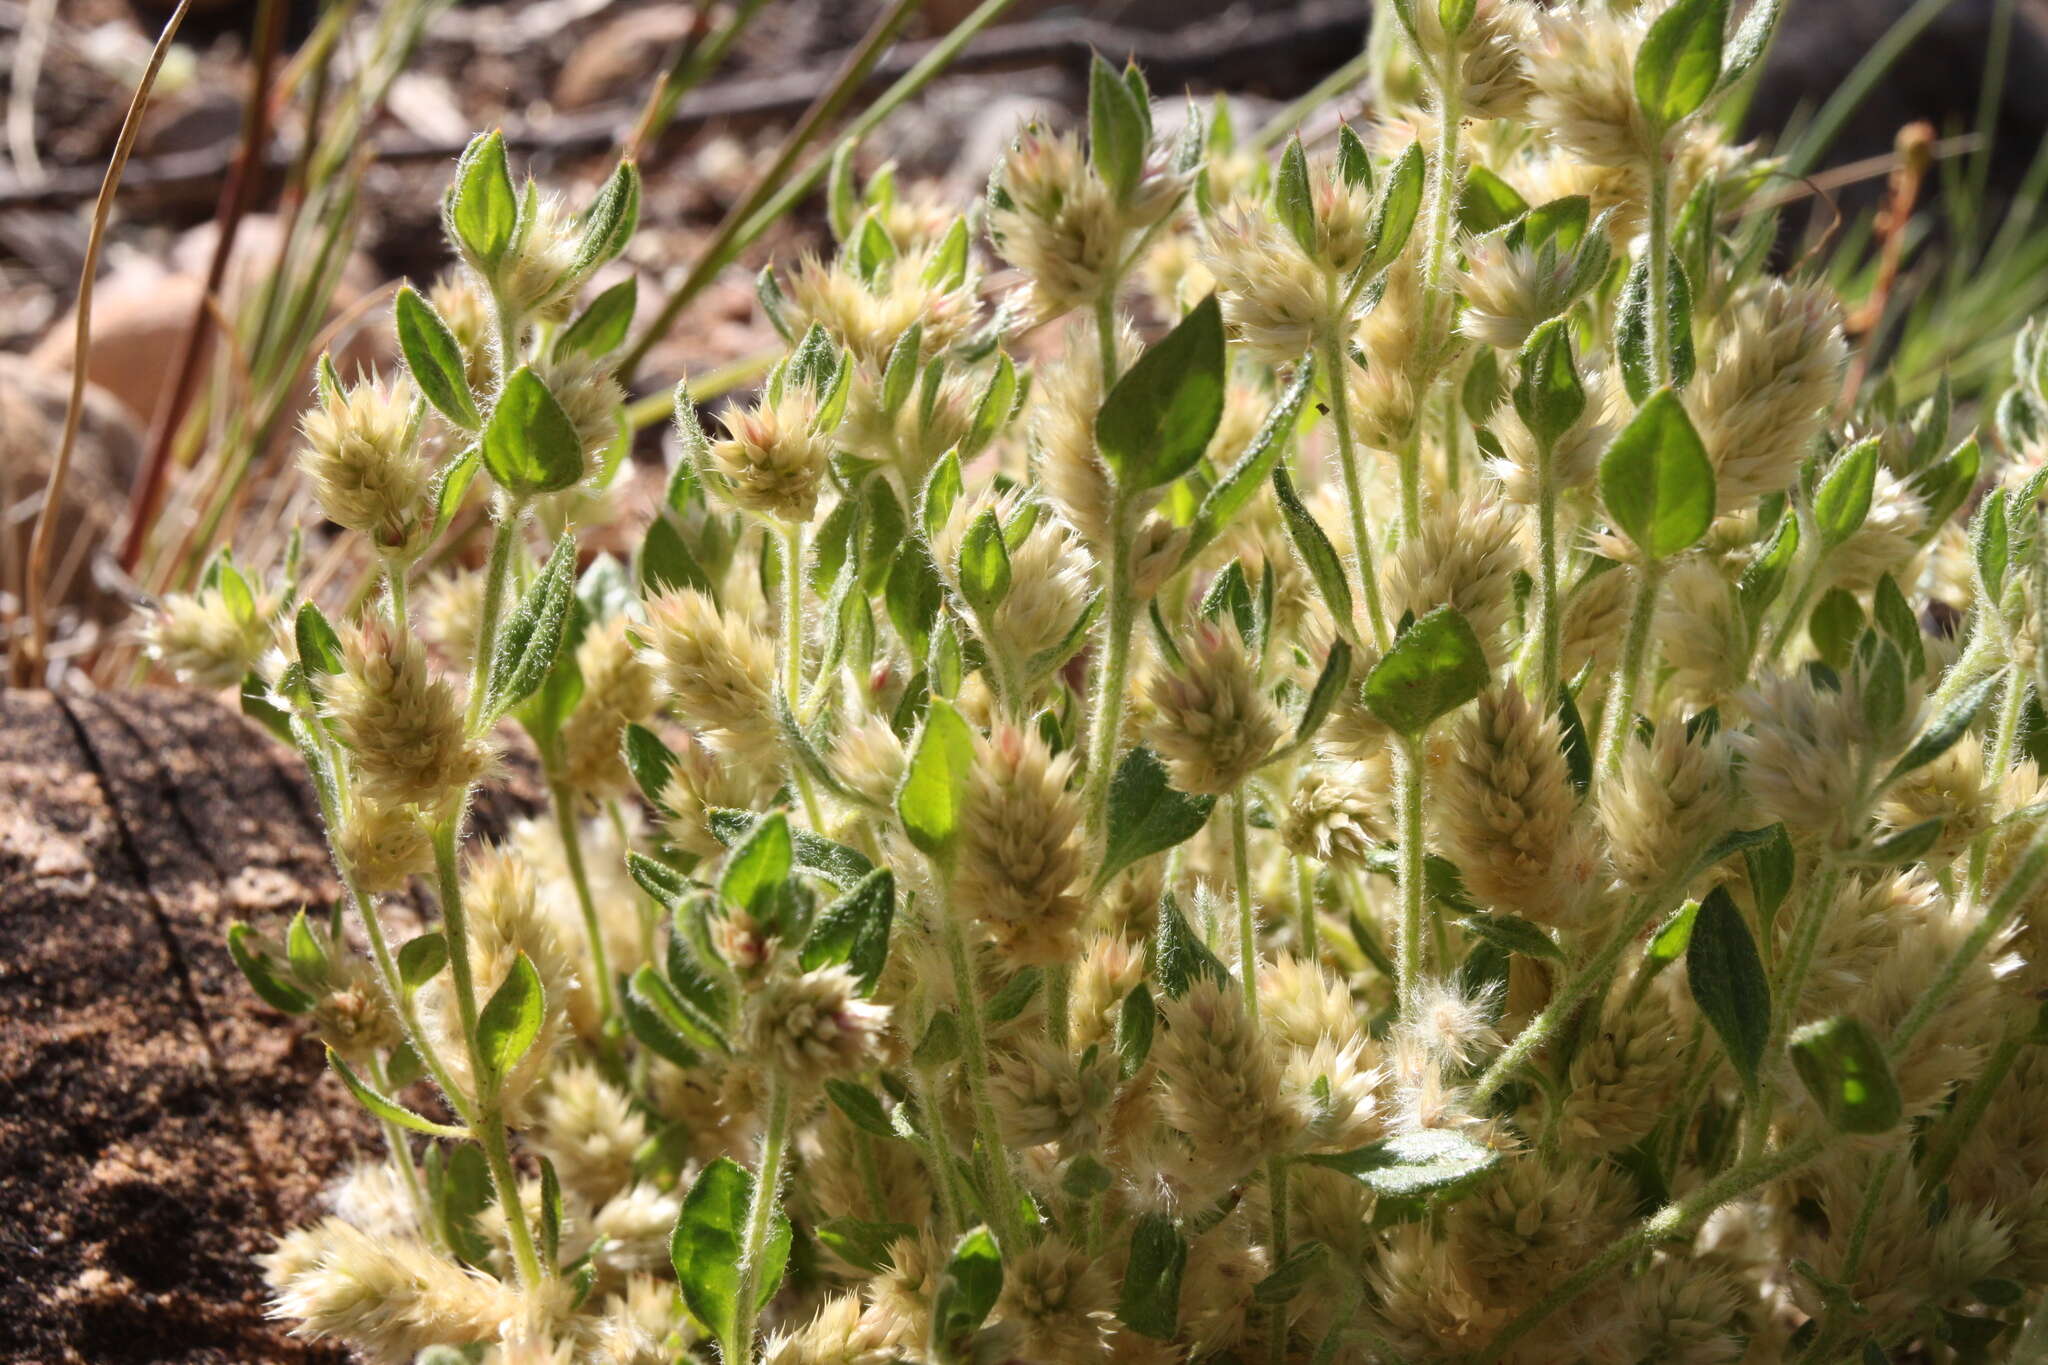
<point x="28" y="660"/>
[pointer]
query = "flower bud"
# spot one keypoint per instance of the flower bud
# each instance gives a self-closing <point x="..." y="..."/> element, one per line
<point x="204" y="640"/>
<point x="812" y="1026"/>
<point x="382" y="846"/>
<point x="619" y="689"/>
<point x="775" y="454"/>
<point x="718" y="669"/>
<point x="1504" y="807"/>
<point x="1221" y="1082"/>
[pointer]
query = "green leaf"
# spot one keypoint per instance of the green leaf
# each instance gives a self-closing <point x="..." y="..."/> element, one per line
<point x="532" y="635"/>
<point x="968" y="1287"/>
<point x="1292" y="1275"/>
<point x="1354" y="165"/>
<point x="1240" y="484"/>
<point x="855" y="930"/>
<point x="1548" y="396"/>
<point x="531" y="446"/>
<point x="844" y="867"/>
<point x="1991" y="543"/>
<point x="435" y="359"/>
<point x="245" y="946"/>
<point x="662" y="883"/>
<point x="860" y="1243"/>
<point x="942" y="488"/>
<point x="609" y="222"/>
<point x="1771" y="864"/>
<point x="1728" y="983"/>
<point x="998" y="400"/>
<point x="1393" y="218"/>
<point x="1514" y="934"/>
<point x="1488" y="203"/>
<point x="421" y="960"/>
<point x="1833" y="625"/>
<point x="1136" y="1022"/>
<point x="1671" y="940"/>
<point x="1765" y="577"/>
<point x="650" y="761"/>
<point x="1015" y="996"/>
<point x="899" y="376"/>
<point x="1946" y="728"/>
<point x="1428" y="1162"/>
<point x="1178" y="953"/>
<point x="319" y="645"/>
<point x="452" y="481"/>
<point x="652" y="1028"/>
<point x="680" y="1015"/>
<point x="1323" y="697"/>
<point x="1751" y="40"/>
<point x="1116" y="130"/>
<point x="1680" y="60"/>
<point x="384" y="1107"/>
<point x="1315" y="549"/>
<point x="1656" y="479"/>
<point x="1893" y="615"/>
<point x="947" y="268"/>
<point x="1293" y="200"/>
<point x="1843" y="500"/>
<point x="984" y="566"/>
<point x="1436" y="666"/>
<point x="1158" y="419"/>
<point x="1909" y="845"/>
<point x="1844" y="1068"/>
<point x="861" y="1107"/>
<point x="1146" y="814"/>
<point x="510" y="1020"/>
<point x="758" y="866"/>
<point x="1456" y="15"/>
<point x="1149" y="1303"/>
<point x="601" y="328"/>
<point x="1633" y="333"/>
<point x="941" y="1042"/>
<point x="929" y="800"/>
<point x="484" y="209"/>
<point x="705" y="1247"/>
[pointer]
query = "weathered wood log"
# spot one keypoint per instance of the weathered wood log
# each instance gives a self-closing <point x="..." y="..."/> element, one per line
<point x="159" y="1126"/>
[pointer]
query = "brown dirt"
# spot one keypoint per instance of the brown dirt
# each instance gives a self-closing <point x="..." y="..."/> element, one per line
<point x="158" y="1124"/>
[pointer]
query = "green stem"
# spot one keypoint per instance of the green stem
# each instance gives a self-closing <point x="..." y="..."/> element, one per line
<point x="489" y="1122"/>
<point x="792" y="648"/>
<point x="1446" y="82"/>
<point x="1276" y="1194"/>
<point x="394" y="579"/>
<point x="1059" y="997"/>
<point x="1408" y="951"/>
<point x="760" y="1213"/>
<point x="1955" y="1132"/>
<point x="938" y="1152"/>
<point x="571" y="831"/>
<point x="1003" y="1193"/>
<point x="1660" y="272"/>
<point x="2033" y="865"/>
<point x="1594" y="973"/>
<point x="1411" y="485"/>
<point x="1305" y="897"/>
<point x="1549" y="618"/>
<point x="1105" y="334"/>
<point x="1335" y="370"/>
<point x="1674" y="1220"/>
<point x="1247" y="916"/>
<point x="1823" y="1345"/>
<point x="2012" y="711"/>
<point x="1105" y="721"/>
<point x="1621" y="698"/>
<point x="496" y="571"/>
<point x="400" y="1152"/>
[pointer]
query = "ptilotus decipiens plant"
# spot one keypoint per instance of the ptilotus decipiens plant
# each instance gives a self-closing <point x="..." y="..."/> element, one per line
<point x="1357" y="759"/>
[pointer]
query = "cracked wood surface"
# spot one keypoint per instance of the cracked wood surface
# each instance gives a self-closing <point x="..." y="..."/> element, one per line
<point x="159" y="1125"/>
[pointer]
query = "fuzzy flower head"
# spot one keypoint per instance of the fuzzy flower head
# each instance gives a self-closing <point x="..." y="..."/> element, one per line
<point x="383" y="846"/>
<point x="1799" y="756"/>
<point x="718" y="669"/>
<point x="390" y="1296"/>
<point x="1583" y="73"/>
<point x="1211" y="720"/>
<point x="1465" y="555"/>
<point x="814" y="1025"/>
<point x="775" y="452"/>
<point x="1490" y="54"/>
<point x="1058" y="1302"/>
<point x="205" y="639"/>
<point x="589" y="397"/>
<point x="1338" y="814"/>
<point x="1670" y="796"/>
<point x="870" y="315"/>
<point x="1761" y="398"/>
<point x="1506" y="807"/>
<point x="1274" y="298"/>
<point x="402" y="725"/>
<point x="1021" y="857"/>
<point x="1221" y="1082"/>
<point x="362" y="456"/>
<point x="619" y="689"/>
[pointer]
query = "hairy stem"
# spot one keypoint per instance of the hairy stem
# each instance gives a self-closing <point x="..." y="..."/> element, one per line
<point x="1105" y="715"/>
<point x="1659" y="250"/>
<point x="489" y="1123"/>
<point x="974" y="1042"/>
<point x="1621" y="697"/>
<point x="496" y="572"/>
<point x="760" y="1213"/>
<point x="1408" y="951"/>
<point x="1247" y="916"/>
<point x="1549" y="616"/>
<point x="571" y="831"/>
<point x="1276" y="1195"/>
<point x="1335" y="369"/>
